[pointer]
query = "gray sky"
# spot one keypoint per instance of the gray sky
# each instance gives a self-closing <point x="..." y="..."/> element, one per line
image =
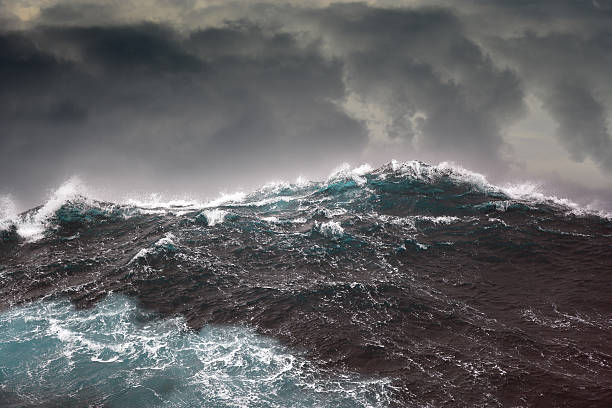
<point x="195" y="97"/>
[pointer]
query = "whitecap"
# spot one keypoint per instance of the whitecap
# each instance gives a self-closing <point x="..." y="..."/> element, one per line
<point x="215" y="216"/>
<point x="443" y="219"/>
<point x="32" y="226"/>
<point x="166" y="242"/>
<point x="527" y="192"/>
<point x="345" y="172"/>
<point x="331" y="229"/>
<point x="227" y="198"/>
<point x="156" y="201"/>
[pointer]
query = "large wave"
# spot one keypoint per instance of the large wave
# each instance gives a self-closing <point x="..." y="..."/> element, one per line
<point x="32" y="224"/>
<point x="404" y="285"/>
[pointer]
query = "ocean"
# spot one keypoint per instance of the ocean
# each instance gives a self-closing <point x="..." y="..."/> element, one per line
<point x="408" y="285"/>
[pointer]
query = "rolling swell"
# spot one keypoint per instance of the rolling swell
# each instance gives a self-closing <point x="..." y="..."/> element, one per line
<point x="458" y="292"/>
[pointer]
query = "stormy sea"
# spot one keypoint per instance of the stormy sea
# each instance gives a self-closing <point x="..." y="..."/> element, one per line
<point x="408" y="285"/>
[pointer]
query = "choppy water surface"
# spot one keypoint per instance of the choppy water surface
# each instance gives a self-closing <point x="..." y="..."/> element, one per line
<point x="116" y="355"/>
<point x="407" y="285"/>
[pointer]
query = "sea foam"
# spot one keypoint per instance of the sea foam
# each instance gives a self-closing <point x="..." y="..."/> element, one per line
<point x="31" y="226"/>
<point x="131" y="358"/>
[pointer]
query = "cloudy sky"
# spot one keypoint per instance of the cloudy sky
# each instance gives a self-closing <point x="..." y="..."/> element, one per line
<point x="199" y="96"/>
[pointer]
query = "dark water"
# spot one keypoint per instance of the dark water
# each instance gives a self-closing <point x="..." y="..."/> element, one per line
<point x="408" y="285"/>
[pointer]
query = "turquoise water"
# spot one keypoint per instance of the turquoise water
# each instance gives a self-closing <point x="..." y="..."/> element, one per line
<point x="117" y="355"/>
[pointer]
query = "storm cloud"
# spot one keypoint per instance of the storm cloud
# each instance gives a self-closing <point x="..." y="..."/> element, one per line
<point x="568" y="74"/>
<point x="145" y="100"/>
<point x="203" y="97"/>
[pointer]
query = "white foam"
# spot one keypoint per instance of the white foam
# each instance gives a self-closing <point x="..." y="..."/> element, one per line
<point x="219" y="365"/>
<point x="215" y="216"/>
<point x="426" y="172"/>
<point x="498" y="220"/>
<point x="344" y="172"/>
<point x="142" y="254"/>
<point x="331" y="213"/>
<point x="32" y="226"/>
<point x="410" y="220"/>
<point x="331" y="229"/>
<point x="164" y="242"/>
<point x="526" y="192"/>
<point x="156" y="201"/>
<point x="531" y="193"/>
<point x="395" y="220"/>
<point x="275" y="187"/>
<point x="301" y="181"/>
<point x="362" y="170"/>
<point x="226" y="198"/>
<point x="168" y="239"/>
<point x="444" y="219"/>
<point x="155" y="204"/>
<point x="461" y="174"/>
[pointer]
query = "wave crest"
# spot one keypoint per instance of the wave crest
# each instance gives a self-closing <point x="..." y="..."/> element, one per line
<point x="75" y="198"/>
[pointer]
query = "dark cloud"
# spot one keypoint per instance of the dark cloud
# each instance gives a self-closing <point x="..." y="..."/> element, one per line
<point x="147" y="102"/>
<point x="547" y="12"/>
<point x="568" y="72"/>
<point x="582" y="123"/>
<point x="419" y="63"/>
<point x="79" y="13"/>
<point x="147" y="49"/>
<point x="241" y="92"/>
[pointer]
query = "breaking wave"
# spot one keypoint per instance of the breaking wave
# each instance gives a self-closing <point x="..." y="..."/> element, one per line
<point x="405" y="285"/>
<point x="32" y="224"/>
